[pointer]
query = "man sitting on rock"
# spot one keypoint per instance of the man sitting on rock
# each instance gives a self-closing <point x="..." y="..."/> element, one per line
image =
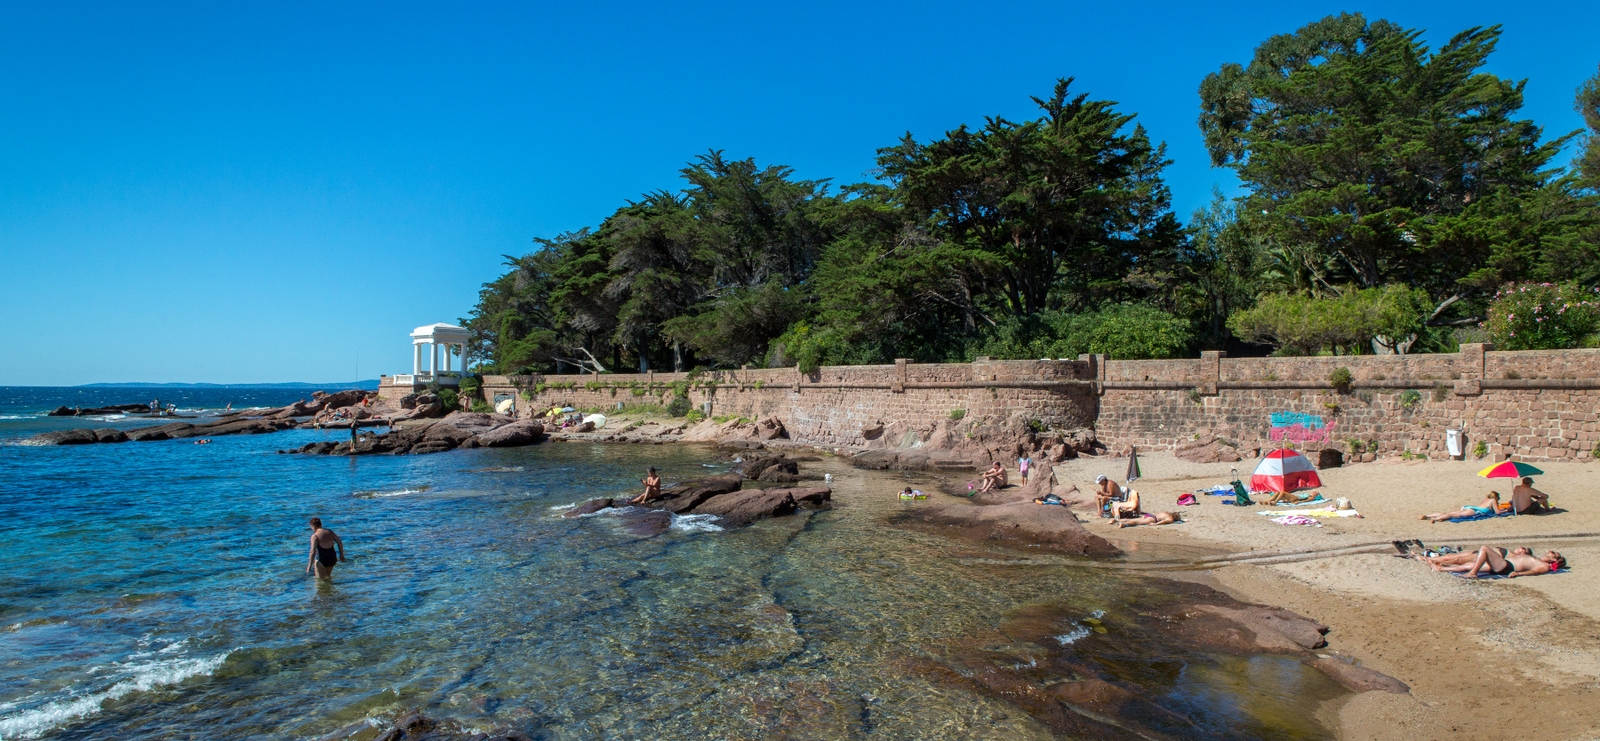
<point x="1526" y="500"/>
<point x="994" y="478"/>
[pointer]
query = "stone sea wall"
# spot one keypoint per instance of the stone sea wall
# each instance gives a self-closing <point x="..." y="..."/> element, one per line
<point x="1537" y="405"/>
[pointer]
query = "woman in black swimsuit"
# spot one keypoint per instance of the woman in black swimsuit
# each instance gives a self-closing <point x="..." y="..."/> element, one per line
<point x="323" y="553"/>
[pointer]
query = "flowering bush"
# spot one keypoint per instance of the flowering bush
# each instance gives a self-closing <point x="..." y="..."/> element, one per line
<point x="1542" y="316"/>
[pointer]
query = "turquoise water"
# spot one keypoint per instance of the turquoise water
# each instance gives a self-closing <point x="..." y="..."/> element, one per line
<point x="157" y="590"/>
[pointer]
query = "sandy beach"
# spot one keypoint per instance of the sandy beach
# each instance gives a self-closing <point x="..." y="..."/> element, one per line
<point x="1503" y="658"/>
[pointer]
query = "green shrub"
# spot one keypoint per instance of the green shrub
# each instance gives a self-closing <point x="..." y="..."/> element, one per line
<point x="694" y="416"/>
<point x="1340" y="378"/>
<point x="482" y="407"/>
<point x="1481" y="449"/>
<point x="1356" y="446"/>
<point x="471" y="385"/>
<point x="679" y="406"/>
<point x="1543" y="316"/>
<point x="1441" y="392"/>
<point x="448" y="398"/>
<point x="957" y="414"/>
<point x="1409" y="399"/>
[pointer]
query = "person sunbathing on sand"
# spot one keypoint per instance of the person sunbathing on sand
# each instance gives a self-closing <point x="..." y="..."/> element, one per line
<point x="1488" y="507"/>
<point x="1290" y="497"/>
<point x="994" y="478"/>
<point x="1465" y="558"/>
<point x="1526" y="500"/>
<point x="1497" y="562"/>
<point x="1148" y="518"/>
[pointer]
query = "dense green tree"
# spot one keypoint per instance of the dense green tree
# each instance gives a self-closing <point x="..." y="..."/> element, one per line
<point x="1050" y="213"/>
<point x="1370" y="160"/>
<point x="1588" y="106"/>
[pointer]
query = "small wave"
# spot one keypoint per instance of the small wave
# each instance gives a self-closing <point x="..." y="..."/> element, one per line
<point x="696" y="523"/>
<point x="559" y="507"/>
<point x="19" y="416"/>
<point x="375" y="494"/>
<point x="34" y="722"/>
<point x="497" y="469"/>
<point x="104" y="417"/>
<point x="1072" y="636"/>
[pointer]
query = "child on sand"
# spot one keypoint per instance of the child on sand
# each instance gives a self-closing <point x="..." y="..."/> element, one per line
<point x="1023" y="464"/>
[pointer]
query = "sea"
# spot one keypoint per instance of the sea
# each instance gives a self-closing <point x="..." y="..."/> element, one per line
<point x="158" y="590"/>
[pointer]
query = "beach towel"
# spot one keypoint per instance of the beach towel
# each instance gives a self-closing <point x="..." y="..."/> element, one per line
<point x="1475" y="518"/>
<point x="1315" y="513"/>
<point x="1307" y="503"/>
<point x="1297" y="520"/>
<point x="1220" y="490"/>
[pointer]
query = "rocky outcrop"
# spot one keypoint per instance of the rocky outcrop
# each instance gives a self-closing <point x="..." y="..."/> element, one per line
<point x="1022" y="524"/>
<point x="1358" y="678"/>
<point x="1208" y="450"/>
<point x="455" y="430"/>
<point x="512" y="435"/>
<point x="684" y="498"/>
<point x="1246" y="628"/>
<point x="246" y="422"/>
<point x="719" y="496"/>
<point x="63" y="437"/>
<point x="97" y="411"/>
<point x="588" y="508"/>
<point x="739" y="509"/>
<point x="109" y="435"/>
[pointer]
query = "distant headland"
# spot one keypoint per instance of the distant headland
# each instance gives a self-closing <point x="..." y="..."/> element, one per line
<point x="370" y="384"/>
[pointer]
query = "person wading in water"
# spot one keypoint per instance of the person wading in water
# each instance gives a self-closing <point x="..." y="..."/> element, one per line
<point x="323" y="554"/>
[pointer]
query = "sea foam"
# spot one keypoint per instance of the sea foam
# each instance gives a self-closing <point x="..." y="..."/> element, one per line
<point x="131" y="678"/>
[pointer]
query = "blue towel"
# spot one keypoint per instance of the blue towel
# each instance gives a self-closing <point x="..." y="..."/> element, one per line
<point x="1475" y="518"/>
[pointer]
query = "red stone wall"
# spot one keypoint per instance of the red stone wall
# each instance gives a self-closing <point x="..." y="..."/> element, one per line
<point x="1535" y="405"/>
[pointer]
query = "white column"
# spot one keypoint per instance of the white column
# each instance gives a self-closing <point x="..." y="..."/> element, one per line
<point x="416" y="358"/>
<point x="433" y="358"/>
<point x="463" y="347"/>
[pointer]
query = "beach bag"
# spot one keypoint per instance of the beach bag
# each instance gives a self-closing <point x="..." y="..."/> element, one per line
<point x="1241" y="498"/>
<point x="1185" y="500"/>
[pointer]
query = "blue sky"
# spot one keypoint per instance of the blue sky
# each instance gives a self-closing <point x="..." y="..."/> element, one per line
<point x="237" y="192"/>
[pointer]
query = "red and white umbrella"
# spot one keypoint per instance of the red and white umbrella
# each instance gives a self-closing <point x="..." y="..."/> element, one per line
<point x="1284" y="470"/>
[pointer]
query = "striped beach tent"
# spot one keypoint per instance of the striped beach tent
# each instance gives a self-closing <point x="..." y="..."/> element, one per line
<point x="1284" y="470"/>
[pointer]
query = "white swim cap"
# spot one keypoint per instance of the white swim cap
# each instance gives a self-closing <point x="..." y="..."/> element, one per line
<point x="1099" y="479"/>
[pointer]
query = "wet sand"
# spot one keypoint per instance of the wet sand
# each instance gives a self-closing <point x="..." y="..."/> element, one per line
<point x="1486" y="659"/>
